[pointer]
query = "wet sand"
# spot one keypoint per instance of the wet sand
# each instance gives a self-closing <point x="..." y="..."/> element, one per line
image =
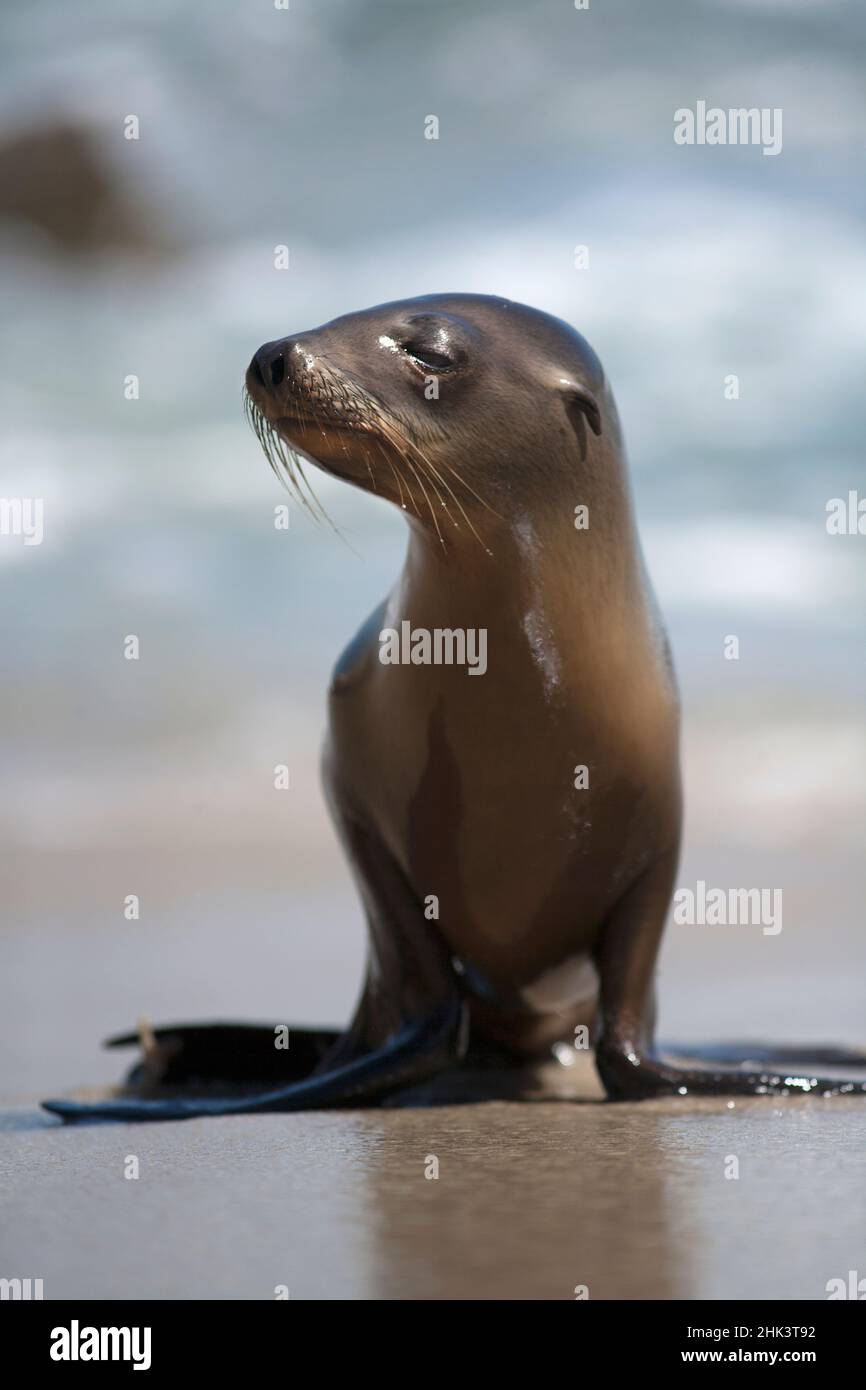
<point x="530" y="1201"/>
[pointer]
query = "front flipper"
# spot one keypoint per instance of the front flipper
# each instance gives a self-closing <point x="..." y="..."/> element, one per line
<point x="416" y="1052"/>
<point x="236" y="1053"/>
<point x="631" y="1073"/>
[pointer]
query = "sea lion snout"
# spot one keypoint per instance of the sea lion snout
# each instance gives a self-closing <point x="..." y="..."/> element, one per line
<point x="268" y="366"/>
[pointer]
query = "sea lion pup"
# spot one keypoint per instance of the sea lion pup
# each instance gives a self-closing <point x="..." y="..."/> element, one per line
<point x="511" y="897"/>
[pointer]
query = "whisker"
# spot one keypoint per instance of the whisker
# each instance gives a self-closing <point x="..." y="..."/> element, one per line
<point x="452" y="493"/>
<point x="476" y="495"/>
<point x="395" y="472"/>
<point x="420" y="481"/>
<point x="342" y="397"/>
<point x="285" y="463"/>
<point x="401" y="445"/>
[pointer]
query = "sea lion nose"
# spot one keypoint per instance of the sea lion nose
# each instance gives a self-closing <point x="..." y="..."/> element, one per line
<point x="269" y="364"/>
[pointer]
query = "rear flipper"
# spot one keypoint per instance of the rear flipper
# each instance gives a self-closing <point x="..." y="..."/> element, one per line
<point x="191" y="1054"/>
<point x="629" y="1073"/>
<point x="418" y="1051"/>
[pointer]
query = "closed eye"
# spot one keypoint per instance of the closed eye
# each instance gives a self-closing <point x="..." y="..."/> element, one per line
<point x="427" y="357"/>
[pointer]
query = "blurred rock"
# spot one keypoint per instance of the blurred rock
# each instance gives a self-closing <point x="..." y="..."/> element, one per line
<point x="54" y="178"/>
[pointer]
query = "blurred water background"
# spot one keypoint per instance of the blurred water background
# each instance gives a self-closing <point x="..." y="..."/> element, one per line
<point x="154" y="257"/>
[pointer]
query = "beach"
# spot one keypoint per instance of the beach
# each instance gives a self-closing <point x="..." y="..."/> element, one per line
<point x="152" y="865"/>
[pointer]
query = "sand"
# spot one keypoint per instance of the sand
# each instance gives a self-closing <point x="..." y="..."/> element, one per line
<point x="530" y="1202"/>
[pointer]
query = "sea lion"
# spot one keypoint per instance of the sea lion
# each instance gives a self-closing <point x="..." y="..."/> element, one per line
<point x="511" y="899"/>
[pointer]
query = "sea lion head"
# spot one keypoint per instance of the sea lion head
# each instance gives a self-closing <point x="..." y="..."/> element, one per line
<point x="446" y="405"/>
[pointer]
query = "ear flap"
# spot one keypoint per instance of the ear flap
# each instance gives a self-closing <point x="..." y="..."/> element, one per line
<point x="581" y="405"/>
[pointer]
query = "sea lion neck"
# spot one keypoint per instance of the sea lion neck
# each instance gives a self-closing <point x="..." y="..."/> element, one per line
<point x="585" y="554"/>
<point x="541" y="595"/>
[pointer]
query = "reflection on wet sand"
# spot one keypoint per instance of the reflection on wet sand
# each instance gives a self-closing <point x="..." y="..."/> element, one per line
<point x="546" y="1201"/>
